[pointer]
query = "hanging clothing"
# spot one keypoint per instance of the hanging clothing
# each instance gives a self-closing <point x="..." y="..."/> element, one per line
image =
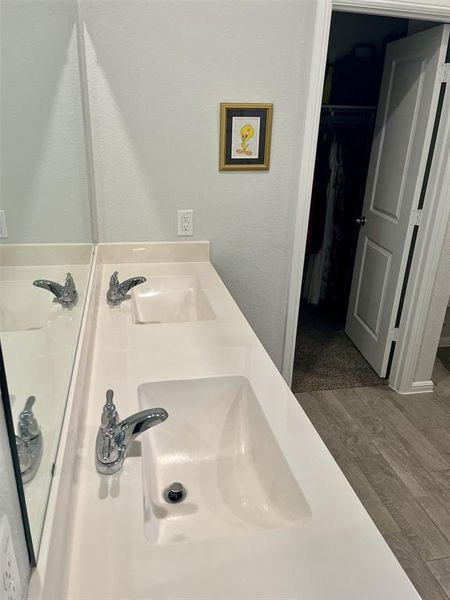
<point x="355" y="147"/>
<point x="317" y="264"/>
<point x="327" y="243"/>
<point x="319" y="192"/>
<point x="345" y="139"/>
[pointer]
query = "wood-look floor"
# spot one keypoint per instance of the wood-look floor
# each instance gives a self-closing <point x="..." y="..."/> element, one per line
<point x="395" y="452"/>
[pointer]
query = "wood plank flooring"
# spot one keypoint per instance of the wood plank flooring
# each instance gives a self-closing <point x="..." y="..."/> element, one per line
<point x="395" y="452"/>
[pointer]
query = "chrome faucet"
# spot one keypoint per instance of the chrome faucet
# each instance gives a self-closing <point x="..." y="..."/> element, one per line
<point x="66" y="294"/>
<point x="114" y="438"/>
<point x="117" y="292"/>
<point x="28" y="442"/>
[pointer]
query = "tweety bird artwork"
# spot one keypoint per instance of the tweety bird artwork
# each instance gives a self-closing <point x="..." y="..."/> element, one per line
<point x="247" y="132"/>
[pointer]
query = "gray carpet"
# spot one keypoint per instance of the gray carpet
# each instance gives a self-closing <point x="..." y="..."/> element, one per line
<point x="325" y="358"/>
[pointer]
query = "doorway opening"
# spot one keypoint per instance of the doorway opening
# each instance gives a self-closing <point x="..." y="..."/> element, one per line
<point x="328" y="354"/>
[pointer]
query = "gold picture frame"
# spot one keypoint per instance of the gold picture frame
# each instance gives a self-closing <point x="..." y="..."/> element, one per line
<point x="245" y="136"/>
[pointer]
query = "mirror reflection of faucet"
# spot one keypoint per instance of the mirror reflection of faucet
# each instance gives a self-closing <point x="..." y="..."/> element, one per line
<point x="117" y="291"/>
<point x="66" y="294"/>
<point x="28" y="442"/>
<point x="114" y="438"/>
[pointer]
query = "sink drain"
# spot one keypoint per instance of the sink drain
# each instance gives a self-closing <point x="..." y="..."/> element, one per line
<point x="175" y="493"/>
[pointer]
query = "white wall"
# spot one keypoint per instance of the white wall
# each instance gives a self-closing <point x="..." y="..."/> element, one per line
<point x="157" y="72"/>
<point x="43" y="167"/>
<point x="9" y="503"/>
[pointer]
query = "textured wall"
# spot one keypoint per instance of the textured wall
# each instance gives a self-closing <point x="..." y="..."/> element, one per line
<point x="9" y="502"/>
<point x="157" y="72"/>
<point x="43" y="166"/>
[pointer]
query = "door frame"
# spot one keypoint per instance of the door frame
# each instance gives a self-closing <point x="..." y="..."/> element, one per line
<point x="404" y="9"/>
<point x="428" y="247"/>
<point x="424" y="268"/>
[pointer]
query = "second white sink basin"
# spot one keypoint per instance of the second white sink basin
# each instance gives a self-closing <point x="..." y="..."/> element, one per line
<point x="173" y="299"/>
<point x="24" y="307"/>
<point x="218" y="444"/>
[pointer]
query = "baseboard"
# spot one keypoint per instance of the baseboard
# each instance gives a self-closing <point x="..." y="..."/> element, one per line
<point x="417" y="387"/>
<point x="444" y="342"/>
<point x="422" y="387"/>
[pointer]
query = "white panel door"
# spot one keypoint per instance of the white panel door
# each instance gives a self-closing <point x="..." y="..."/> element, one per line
<point x="406" y="114"/>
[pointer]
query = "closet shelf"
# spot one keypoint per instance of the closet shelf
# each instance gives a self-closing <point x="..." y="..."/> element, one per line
<point x="347" y="107"/>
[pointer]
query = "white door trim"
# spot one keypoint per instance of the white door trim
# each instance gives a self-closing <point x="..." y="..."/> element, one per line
<point x="395" y="8"/>
<point x="424" y="267"/>
<point x="305" y="182"/>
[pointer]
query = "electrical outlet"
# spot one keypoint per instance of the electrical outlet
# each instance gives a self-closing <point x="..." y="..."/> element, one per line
<point x="10" y="588"/>
<point x="3" y="228"/>
<point x="185" y="222"/>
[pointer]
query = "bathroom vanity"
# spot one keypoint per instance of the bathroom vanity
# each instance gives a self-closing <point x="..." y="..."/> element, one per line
<point x="266" y="513"/>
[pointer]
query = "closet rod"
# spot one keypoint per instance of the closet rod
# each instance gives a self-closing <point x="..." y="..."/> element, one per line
<point x="347" y="107"/>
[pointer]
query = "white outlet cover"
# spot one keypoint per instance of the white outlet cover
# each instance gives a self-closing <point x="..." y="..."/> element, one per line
<point x="10" y="587"/>
<point x="185" y="220"/>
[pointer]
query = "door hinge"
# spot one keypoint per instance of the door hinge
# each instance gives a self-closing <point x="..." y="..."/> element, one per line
<point x="445" y="73"/>
<point x="394" y="334"/>
<point x="416" y="217"/>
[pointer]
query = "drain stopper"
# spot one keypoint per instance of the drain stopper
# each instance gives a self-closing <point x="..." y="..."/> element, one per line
<point x="175" y="492"/>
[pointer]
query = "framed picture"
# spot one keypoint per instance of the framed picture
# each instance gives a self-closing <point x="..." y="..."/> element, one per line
<point x="245" y="133"/>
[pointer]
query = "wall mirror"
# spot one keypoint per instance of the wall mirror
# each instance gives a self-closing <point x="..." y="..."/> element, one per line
<point x="45" y="235"/>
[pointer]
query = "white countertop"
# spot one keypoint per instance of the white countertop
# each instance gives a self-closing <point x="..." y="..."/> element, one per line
<point x="337" y="554"/>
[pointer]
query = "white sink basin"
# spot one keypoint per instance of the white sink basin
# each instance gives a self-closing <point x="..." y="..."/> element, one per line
<point x="24" y="307"/>
<point x="218" y="444"/>
<point x="170" y="300"/>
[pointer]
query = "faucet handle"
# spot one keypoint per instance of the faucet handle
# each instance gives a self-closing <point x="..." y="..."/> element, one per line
<point x="69" y="283"/>
<point x="28" y="404"/>
<point x="110" y="418"/>
<point x="28" y="426"/>
<point x="114" y="280"/>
